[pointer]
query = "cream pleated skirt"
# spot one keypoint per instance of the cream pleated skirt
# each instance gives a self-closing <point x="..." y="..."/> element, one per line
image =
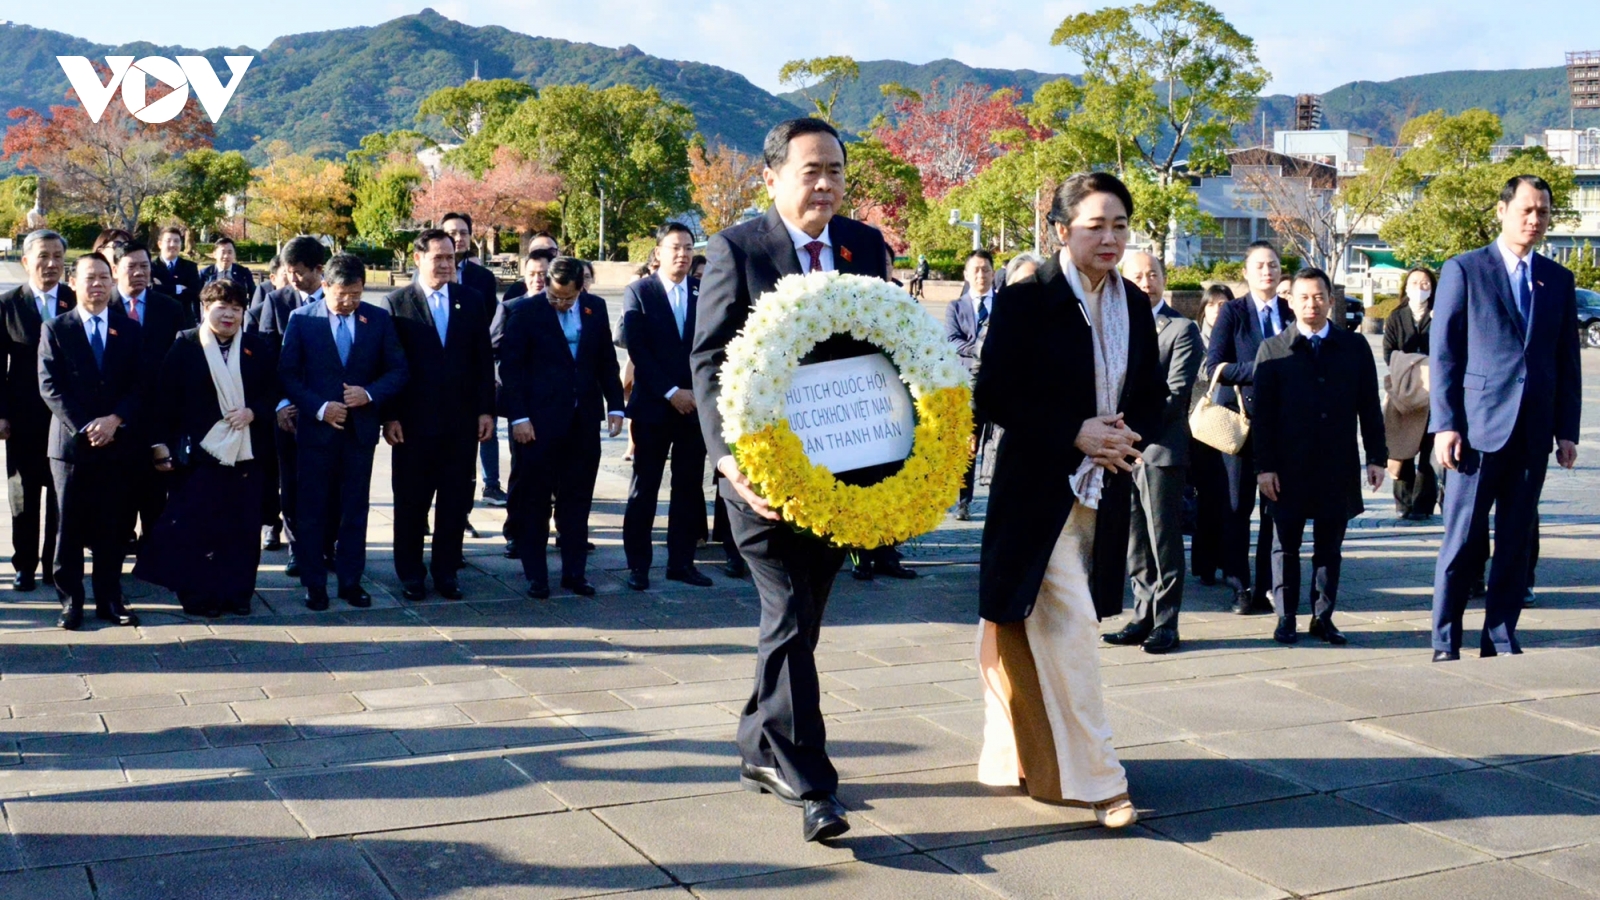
<point x="1045" y="721"/>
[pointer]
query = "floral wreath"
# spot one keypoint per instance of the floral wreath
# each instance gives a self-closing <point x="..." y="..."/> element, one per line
<point x="785" y="323"/>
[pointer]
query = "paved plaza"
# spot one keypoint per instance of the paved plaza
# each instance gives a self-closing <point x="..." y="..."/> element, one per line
<point x="509" y="748"/>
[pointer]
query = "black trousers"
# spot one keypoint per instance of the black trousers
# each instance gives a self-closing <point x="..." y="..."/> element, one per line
<point x="336" y="481"/>
<point x="1327" y="542"/>
<point x="558" y="471"/>
<point x="423" y="468"/>
<point x="95" y="515"/>
<point x="1416" y="488"/>
<point x="721" y="530"/>
<point x="1212" y="506"/>
<point x="27" y="478"/>
<point x="1509" y="481"/>
<point x="1155" y="544"/>
<point x="288" y="473"/>
<point x="1242" y="491"/>
<point x="678" y="436"/>
<point x="782" y="723"/>
<point x="149" y="489"/>
<point x="970" y="482"/>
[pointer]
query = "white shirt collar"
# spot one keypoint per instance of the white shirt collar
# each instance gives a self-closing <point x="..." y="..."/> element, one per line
<point x="1160" y="305"/>
<point x="1261" y="305"/>
<point x="49" y="296"/>
<point x="668" y="285"/>
<point x="442" y="289"/>
<point x="138" y="298"/>
<point x="1511" y="259"/>
<point x="1307" y="333"/>
<point x="84" y="315"/>
<point x="801" y="239"/>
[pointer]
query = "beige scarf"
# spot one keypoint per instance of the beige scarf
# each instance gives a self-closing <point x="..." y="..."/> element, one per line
<point x="1108" y="324"/>
<point x="227" y="444"/>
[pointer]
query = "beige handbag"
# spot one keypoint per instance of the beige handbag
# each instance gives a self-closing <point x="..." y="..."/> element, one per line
<point x="1217" y="426"/>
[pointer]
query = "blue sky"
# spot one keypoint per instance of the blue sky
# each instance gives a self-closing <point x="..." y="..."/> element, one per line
<point x="1351" y="40"/>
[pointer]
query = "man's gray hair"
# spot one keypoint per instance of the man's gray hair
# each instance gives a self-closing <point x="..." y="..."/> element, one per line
<point x="1161" y="267"/>
<point x="1020" y="260"/>
<point x="34" y="238"/>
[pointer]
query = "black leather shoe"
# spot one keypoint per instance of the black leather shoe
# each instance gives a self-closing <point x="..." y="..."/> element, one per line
<point x="273" y="542"/>
<point x="1162" y="640"/>
<point x="355" y="596"/>
<point x="579" y="586"/>
<point x="71" y="618"/>
<point x="413" y="591"/>
<point x="1479" y="590"/>
<point x="538" y="590"/>
<point x="1285" y="633"/>
<point x="116" y="613"/>
<point x="1131" y="633"/>
<point x="895" y="569"/>
<point x="767" y="780"/>
<point x="1242" y="602"/>
<point x="862" y="572"/>
<point x="735" y="568"/>
<point x="690" y="575"/>
<point x="449" y="590"/>
<point x="1323" y="628"/>
<point x="1446" y="655"/>
<point x="511" y="551"/>
<point x="638" y="579"/>
<point x="317" y="602"/>
<point x="24" y="582"/>
<point x="825" y="819"/>
<point x="292" y="569"/>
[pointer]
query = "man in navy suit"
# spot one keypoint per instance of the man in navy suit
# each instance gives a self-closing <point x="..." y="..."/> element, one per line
<point x="341" y="362"/>
<point x="300" y="267"/>
<point x="558" y="378"/>
<point x="966" y="321"/>
<point x="226" y="265"/>
<point x="24" y="419"/>
<point x="441" y="415"/>
<point x="175" y="275"/>
<point x="1241" y="327"/>
<point x="89" y="376"/>
<point x="1506" y="383"/>
<point x="657" y="329"/>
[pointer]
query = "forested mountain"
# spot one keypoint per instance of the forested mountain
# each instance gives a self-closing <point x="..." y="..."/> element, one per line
<point x="859" y="102"/>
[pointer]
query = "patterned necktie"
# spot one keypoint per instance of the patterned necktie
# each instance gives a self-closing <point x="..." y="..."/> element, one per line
<point x="343" y="339"/>
<point x="983" y="311"/>
<point x="97" y="344"/>
<point x="441" y="316"/>
<point x="1524" y="295"/>
<point x="815" y="249"/>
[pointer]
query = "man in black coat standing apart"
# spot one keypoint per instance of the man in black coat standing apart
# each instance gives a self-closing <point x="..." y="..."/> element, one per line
<point x="1316" y="392"/>
<point x="175" y="275"/>
<point x="781" y="734"/>
<point x="441" y="415"/>
<point x="24" y="419"/>
<point x="657" y="328"/>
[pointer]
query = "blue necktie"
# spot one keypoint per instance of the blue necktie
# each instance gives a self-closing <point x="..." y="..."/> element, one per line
<point x="441" y="316"/>
<point x="343" y="338"/>
<point x="1266" y="323"/>
<point x="1521" y="288"/>
<point x="97" y="344"/>
<point x="983" y="311"/>
<point x="677" y="307"/>
<point x="1316" y="345"/>
<point x="569" y="327"/>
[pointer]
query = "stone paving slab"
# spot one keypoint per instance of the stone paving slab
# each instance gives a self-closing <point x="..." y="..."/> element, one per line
<point x="309" y="870"/>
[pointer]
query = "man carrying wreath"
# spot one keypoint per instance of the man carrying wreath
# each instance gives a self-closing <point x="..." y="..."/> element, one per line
<point x="781" y="733"/>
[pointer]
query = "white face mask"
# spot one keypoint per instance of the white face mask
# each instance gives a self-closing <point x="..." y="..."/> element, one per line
<point x="1418" y="296"/>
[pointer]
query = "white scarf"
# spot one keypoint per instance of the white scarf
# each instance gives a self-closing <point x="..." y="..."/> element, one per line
<point x="1108" y="325"/>
<point x="224" y="442"/>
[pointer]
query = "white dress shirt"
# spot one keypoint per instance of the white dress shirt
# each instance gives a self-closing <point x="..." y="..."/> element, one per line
<point x="333" y="329"/>
<point x="801" y="239"/>
<point x="678" y="294"/>
<point x="1308" y="334"/>
<point x="134" y="306"/>
<point x="1270" y="305"/>
<point x="45" y="300"/>
<point x="1155" y="311"/>
<point x="1510" y="259"/>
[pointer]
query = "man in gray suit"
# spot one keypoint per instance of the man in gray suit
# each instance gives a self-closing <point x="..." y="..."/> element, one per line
<point x="1155" y="550"/>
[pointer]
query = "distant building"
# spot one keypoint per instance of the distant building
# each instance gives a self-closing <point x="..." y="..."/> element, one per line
<point x="1344" y="150"/>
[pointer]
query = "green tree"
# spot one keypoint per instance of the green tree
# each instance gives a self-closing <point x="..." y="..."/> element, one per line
<point x="625" y="143"/>
<point x="16" y="199"/>
<point x="883" y="189"/>
<point x="820" y="80"/>
<point x="383" y="176"/>
<point x="1443" y="194"/>
<point x="465" y="110"/>
<point x="1161" y="81"/>
<point x="201" y="179"/>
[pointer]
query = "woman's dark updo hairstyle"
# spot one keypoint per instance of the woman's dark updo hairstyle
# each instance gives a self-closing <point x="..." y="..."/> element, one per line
<point x="1073" y="191"/>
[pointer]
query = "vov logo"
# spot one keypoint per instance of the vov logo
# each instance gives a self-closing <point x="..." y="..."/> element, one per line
<point x="180" y="75"/>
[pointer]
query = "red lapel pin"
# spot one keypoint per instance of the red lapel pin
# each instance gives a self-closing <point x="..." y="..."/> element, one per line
<point x="845" y="252"/>
<point x="111" y="331"/>
<point x="361" y="319"/>
<point x="247" y="352"/>
<point x="587" y="310"/>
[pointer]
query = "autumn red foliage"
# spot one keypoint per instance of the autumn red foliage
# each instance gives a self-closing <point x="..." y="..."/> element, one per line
<point x="948" y="134"/>
<point x="515" y="193"/>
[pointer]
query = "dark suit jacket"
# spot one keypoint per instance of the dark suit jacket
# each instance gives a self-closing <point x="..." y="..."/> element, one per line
<point x="541" y="381"/>
<point x="269" y="313"/>
<point x="1489" y="367"/>
<point x="20" y="324"/>
<point x="187" y="407"/>
<point x="1178" y="354"/>
<point x="746" y="261"/>
<point x="513" y="291"/>
<point x="311" y="374"/>
<point x="483" y="283"/>
<point x="1308" y="408"/>
<point x="163" y="318"/>
<point x="237" y="274"/>
<point x="451" y="384"/>
<point x="1401" y="334"/>
<point x="185" y="273"/>
<point x="660" y="355"/>
<point x="1235" y="339"/>
<point x="1037" y="382"/>
<point x="77" y="392"/>
<point x="961" y="327"/>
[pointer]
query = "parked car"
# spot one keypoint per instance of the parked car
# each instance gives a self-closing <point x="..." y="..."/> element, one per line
<point x="1589" y="317"/>
<point x="1354" y="312"/>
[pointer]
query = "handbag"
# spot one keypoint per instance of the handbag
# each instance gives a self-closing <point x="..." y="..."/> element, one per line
<point x="1217" y="426"/>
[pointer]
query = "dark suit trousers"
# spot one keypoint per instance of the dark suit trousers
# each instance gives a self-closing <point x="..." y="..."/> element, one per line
<point x="422" y="468"/>
<point x="678" y="436"/>
<point x="149" y="489"/>
<point x="1210" y="481"/>
<point x="489" y="457"/>
<point x="782" y="722"/>
<point x="563" y="470"/>
<point x="94" y="516"/>
<point x="1509" y="480"/>
<point x="1327" y="541"/>
<point x="336" y="481"/>
<point x="27" y="476"/>
<point x="1155" y="545"/>
<point x="970" y="482"/>
<point x="1242" y="492"/>
<point x="288" y="479"/>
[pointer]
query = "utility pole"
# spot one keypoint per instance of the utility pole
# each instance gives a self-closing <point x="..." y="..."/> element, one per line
<point x="602" y="184"/>
<point x="1038" y="226"/>
<point x="976" y="225"/>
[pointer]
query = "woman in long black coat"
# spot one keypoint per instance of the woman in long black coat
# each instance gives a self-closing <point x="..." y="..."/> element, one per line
<point x="207" y="545"/>
<point x="1070" y="371"/>
<point x="1416" y="484"/>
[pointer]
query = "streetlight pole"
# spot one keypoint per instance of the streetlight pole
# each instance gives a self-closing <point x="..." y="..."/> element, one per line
<point x="976" y="225"/>
<point x="601" y="182"/>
